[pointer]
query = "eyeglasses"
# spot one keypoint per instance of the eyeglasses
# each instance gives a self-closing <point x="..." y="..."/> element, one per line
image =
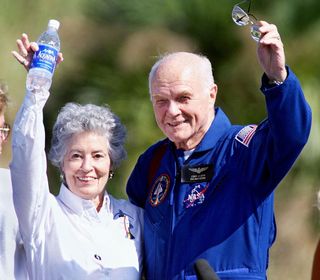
<point x="242" y="18"/>
<point x="5" y="131"/>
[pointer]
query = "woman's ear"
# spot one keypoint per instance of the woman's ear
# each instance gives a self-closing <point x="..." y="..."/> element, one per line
<point x="62" y="175"/>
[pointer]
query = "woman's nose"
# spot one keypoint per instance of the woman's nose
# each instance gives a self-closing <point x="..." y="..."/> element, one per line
<point x="86" y="164"/>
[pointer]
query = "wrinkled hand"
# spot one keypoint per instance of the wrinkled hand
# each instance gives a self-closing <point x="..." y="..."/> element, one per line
<point x="271" y="52"/>
<point x="26" y="50"/>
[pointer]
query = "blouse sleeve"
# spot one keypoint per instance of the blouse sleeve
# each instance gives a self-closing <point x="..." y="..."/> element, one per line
<point x="28" y="166"/>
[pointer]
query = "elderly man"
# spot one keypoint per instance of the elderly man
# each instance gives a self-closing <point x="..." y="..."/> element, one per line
<point x="207" y="189"/>
<point x="12" y="254"/>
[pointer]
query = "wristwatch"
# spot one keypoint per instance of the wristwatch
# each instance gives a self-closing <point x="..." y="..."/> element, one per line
<point x="274" y="83"/>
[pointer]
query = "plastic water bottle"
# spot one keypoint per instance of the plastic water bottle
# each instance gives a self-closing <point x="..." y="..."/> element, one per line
<point x="44" y="60"/>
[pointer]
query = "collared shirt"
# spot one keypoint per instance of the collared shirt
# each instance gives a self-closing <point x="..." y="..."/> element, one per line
<point x="65" y="237"/>
<point x="12" y="254"/>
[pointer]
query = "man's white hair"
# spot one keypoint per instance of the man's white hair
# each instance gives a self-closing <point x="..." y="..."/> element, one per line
<point x="204" y="66"/>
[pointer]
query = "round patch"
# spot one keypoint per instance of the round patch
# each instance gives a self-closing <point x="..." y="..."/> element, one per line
<point x="159" y="190"/>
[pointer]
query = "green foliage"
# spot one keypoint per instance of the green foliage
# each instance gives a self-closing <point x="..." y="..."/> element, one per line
<point x="125" y="39"/>
<point x="110" y="45"/>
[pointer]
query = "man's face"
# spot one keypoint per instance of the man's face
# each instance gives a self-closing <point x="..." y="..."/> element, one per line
<point x="183" y="106"/>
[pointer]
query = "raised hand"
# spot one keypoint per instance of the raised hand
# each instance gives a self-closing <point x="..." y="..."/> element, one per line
<point x="26" y="50"/>
<point x="271" y="52"/>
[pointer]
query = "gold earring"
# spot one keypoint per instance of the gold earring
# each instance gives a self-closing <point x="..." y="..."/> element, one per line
<point x="63" y="179"/>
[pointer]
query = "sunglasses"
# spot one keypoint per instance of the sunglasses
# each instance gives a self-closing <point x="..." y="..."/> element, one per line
<point x="4" y="131"/>
<point x="242" y="18"/>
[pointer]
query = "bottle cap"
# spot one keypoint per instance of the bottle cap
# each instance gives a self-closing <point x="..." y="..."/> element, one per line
<point x="54" y="23"/>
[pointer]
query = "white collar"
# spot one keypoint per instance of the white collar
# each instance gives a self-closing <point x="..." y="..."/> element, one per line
<point x="82" y="206"/>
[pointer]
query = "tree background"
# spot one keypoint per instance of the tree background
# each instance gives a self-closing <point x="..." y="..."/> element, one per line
<point x="109" y="47"/>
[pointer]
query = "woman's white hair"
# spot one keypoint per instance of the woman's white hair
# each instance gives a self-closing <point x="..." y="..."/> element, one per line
<point x="3" y="97"/>
<point x="75" y="118"/>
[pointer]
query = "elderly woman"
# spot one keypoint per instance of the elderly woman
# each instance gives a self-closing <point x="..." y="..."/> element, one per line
<point x="83" y="233"/>
<point x="12" y="254"/>
<point x="4" y="127"/>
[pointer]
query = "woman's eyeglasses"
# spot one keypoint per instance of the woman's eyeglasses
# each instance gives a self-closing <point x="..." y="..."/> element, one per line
<point x="242" y="18"/>
<point x="4" y="131"/>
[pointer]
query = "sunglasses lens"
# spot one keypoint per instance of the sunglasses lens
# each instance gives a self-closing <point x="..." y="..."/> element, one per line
<point x="5" y="131"/>
<point x="240" y="17"/>
<point x="255" y="33"/>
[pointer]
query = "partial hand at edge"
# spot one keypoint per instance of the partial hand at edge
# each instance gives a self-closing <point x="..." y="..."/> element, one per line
<point x="271" y="52"/>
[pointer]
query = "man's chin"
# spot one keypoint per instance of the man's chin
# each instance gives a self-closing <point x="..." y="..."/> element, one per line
<point x="177" y="138"/>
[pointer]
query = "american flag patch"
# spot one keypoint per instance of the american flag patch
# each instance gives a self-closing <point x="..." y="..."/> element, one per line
<point x="245" y="135"/>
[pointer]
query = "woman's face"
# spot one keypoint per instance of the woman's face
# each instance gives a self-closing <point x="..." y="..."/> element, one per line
<point x="86" y="165"/>
<point x="2" y="121"/>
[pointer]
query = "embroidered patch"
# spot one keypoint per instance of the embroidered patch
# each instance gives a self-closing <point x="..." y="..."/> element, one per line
<point x="159" y="190"/>
<point x="124" y="221"/>
<point x="197" y="173"/>
<point x="245" y="135"/>
<point x="196" y="196"/>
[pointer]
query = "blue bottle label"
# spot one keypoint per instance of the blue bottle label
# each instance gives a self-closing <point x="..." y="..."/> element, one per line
<point x="45" y="58"/>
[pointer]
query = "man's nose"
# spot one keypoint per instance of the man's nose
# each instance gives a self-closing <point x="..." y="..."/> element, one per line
<point x="173" y="108"/>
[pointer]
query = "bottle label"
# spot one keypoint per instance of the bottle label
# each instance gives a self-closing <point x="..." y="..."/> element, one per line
<point x="45" y="58"/>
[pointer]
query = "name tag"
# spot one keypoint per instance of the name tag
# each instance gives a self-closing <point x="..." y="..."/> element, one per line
<point x="196" y="174"/>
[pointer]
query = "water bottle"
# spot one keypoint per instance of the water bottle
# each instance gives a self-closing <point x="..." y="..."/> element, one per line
<point x="44" y="60"/>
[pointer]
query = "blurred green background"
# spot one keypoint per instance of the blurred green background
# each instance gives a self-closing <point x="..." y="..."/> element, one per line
<point x="109" y="47"/>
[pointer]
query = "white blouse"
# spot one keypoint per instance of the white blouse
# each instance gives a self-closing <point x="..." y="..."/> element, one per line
<point x="65" y="237"/>
<point x="12" y="254"/>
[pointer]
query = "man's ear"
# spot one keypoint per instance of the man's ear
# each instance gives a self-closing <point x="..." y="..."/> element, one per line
<point x="213" y="93"/>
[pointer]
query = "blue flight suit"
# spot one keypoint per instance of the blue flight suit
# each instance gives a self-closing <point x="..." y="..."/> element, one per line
<point x="222" y="210"/>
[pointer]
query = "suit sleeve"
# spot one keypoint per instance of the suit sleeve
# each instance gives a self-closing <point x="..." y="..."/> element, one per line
<point x="289" y="118"/>
<point x="279" y="139"/>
